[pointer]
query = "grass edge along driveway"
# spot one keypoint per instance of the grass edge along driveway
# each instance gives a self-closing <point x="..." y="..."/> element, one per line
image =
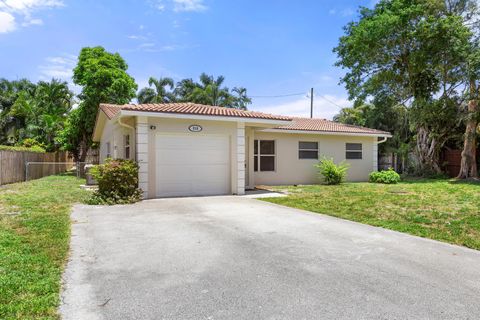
<point x="34" y="244"/>
<point x="438" y="209"/>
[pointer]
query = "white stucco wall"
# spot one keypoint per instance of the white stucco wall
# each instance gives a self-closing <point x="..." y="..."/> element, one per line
<point x="289" y="169"/>
<point x="114" y="133"/>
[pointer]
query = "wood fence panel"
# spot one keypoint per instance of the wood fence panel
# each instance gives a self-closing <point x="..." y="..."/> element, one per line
<point x="13" y="165"/>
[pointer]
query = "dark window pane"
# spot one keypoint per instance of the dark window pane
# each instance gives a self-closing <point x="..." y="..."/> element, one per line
<point x="267" y="163"/>
<point x="255" y="146"/>
<point x="353" y="155"/>
<point x="308" y="145"/>
<point x="127" y="152"/>
<point x="354" y="146"/>
<point x="302" y="154"/>
<point x="267" y="147"/>
<point x="255" y="163"/>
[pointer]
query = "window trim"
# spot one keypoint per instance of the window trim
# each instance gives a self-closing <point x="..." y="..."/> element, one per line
<point x="126" y="146"/>
<point x="108" y="150"/>
<point x="259" y="155"/>
<point x="354" y="150"/>
<point x="304" y="149"/>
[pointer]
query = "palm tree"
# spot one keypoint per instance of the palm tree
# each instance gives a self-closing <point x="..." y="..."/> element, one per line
<point x="241" y="100"/>
<point x="209" y="91"/>
<point x="159" y="92"/>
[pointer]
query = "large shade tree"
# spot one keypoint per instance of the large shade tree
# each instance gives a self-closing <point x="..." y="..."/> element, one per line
<point x="104" y="79"/>
<point x="415" y="52"/>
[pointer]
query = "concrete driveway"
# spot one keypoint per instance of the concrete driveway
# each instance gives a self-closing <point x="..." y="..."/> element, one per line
<point x="240" y="258"/>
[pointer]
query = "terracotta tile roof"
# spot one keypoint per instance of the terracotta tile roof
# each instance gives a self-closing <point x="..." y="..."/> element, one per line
<point x="322" y="125"/>
<point x="296" y="124"/>
<point x="189" y="108"/>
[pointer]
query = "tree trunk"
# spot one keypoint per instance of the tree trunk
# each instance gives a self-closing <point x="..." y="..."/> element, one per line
<point x="82" y="156"/>
<point x="468" y="165"/>
<point x="427" y="153"/>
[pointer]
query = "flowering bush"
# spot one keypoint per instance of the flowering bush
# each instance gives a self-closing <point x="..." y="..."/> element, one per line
<point x="117" y="182"/>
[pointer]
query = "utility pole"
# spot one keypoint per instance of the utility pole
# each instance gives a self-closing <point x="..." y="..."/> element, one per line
<point x="311" y="103"/>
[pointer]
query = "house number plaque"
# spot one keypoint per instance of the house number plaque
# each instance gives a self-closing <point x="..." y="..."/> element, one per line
<point x="195" y="128"/>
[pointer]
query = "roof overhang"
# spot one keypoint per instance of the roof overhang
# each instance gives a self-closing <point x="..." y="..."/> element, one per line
<point x="253" y="121"/>
<point x="329" y="133"/>
<point x="100" y="122"/>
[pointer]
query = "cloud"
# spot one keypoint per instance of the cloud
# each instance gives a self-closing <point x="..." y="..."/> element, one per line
<point x="189" y="5"/>
<point x="324" y="106"/>
<point x="60" y="67"/>
<point x="23" y="9"/>
<point x="7" y="22"/>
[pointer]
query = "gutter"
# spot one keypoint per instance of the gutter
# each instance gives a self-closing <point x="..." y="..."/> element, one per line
<point x="382" y="141"/>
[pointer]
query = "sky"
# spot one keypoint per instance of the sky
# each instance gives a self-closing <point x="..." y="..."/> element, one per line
<point x="272" y="48"/>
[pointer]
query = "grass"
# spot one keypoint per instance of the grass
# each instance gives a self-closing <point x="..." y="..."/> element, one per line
<point x="443" y="210"/>
<point x="34" y="242"/>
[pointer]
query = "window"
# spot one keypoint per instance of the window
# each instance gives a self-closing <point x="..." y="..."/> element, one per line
<point x="264" y="155"/>
<point x="108" y="149"/>
<point x="307" y="150"/>
<point x="353" y="151"/>
<point x="126" y="141"/>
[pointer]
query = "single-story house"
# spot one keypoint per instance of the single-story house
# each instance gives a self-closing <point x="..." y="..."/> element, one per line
<point x="186" y="149"/>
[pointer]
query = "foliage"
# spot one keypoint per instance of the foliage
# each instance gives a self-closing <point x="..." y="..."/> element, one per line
<point x="117" y="182"/>
<point x="415" y="56"/>
<point x="20" y="148"/>
<point x="209" y="90"/>
<point x="435" y="209"/>
<point x="385" y="176"/>
<point x="159" y="93"/>
<point x="34" y="243"/>
<point x="33" y="111"/>
<point x="104" y="79"/>
<point x="331" y="172"/>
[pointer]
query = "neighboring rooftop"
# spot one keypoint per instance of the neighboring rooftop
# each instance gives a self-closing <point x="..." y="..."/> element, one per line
<point x="189" y="108"/>
<point x="323" y="125"/>
<point x="296" y="124"/>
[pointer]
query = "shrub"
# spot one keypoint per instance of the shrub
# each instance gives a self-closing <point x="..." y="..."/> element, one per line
<point x="386" y="176"/>
<point x="331" y="172"/>
<point x="117" y="182"/>
<point x="23" y="149"/>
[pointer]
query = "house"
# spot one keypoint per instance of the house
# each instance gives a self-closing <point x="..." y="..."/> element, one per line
<point x="188" y="149"/>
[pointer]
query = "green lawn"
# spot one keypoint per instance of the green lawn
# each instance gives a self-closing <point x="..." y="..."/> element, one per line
<point x="34" y="240"/>
<point x="438" y="209"/>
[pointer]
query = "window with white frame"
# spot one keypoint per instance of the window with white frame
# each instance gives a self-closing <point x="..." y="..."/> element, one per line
<point x="108" y="150"/>
<point x="307" y="150"/>
<point x="126" y="143"/>
<point x="353" y="151"/>
<point x="264" y="155"/>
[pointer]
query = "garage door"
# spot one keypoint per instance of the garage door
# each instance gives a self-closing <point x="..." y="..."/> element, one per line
<point x="192" y="165"/>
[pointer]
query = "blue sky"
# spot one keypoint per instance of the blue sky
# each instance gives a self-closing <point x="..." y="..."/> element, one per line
<point x="269" y="47"/>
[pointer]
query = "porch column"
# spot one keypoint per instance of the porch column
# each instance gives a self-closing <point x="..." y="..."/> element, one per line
<point x="240" y="158"/>
<point x="142" y="154"/>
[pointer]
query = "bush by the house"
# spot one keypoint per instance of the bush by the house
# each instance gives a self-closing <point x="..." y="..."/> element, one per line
<point x="386" y="176"/>
<point x="117" y="182"/>
<point x="331" y="172"/>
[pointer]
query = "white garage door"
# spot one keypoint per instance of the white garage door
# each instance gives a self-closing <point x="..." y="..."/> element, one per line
<point x="192" y="165"/>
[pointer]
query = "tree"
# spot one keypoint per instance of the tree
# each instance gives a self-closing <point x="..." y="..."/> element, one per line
<point x="159" y="93"/>
<point x="210" y="91"/>
<point x="11" y="126"/>
<point x="104" y="79"/>
<point x="241" y="100"/>
<point x="413" y="52"/>
<point x="39" y="112"/>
